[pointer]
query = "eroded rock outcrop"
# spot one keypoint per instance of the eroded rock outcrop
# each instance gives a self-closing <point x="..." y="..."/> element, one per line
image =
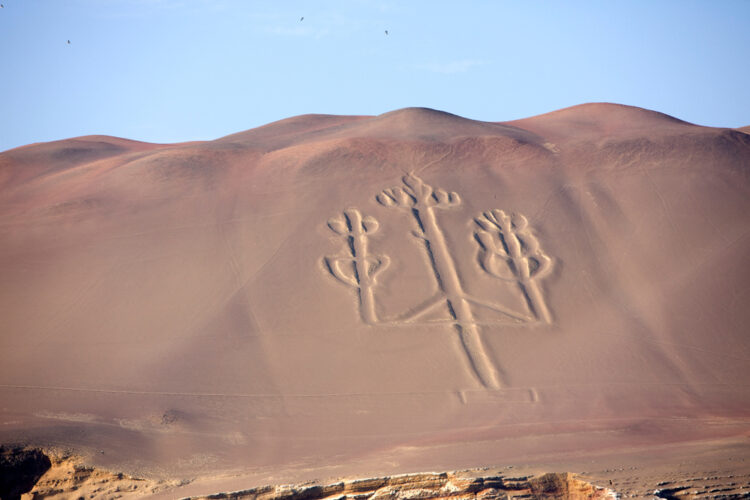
<point x="454" y="485"/>
<point x="32" y="474"/>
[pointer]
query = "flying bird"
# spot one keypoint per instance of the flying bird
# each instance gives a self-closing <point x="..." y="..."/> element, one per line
<point x="301" y="18"/>
<point x="386" y="32"/>
<point x="68" y="42"/>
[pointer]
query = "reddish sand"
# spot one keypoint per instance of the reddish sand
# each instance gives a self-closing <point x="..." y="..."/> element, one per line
<point x="304" y="300"/>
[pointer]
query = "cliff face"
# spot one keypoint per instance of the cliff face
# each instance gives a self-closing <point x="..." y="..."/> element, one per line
<point x="31" y="474"/>
<point x="457" y="485"/>
<point x="20" y="469"/>
<point x="35" y="474"/>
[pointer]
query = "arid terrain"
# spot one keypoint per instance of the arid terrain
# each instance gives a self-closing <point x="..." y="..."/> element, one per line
<point x="333" y="297"/>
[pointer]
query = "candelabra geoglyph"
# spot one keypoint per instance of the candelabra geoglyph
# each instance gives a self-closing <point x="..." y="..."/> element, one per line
<point x="506" y="250"/>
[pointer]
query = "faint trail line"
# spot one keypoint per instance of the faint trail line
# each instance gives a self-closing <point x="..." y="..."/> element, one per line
<point x="447" y="393"/>
<point x="431" y="163"/>
<point x="450" y="393"/>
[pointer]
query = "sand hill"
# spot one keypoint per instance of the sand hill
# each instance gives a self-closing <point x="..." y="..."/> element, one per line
<point x="356" y="295"/>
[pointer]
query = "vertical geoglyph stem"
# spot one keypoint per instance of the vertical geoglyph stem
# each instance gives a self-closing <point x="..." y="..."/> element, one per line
<point x="422" y="200"/>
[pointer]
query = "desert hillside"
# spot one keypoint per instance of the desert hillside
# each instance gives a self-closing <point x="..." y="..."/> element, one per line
<point x="330" y="296"/>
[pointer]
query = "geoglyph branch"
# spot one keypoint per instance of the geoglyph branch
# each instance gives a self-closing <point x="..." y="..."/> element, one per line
<point x="416" y="194"/>
<point x="509" y="251"/>
<point x="358" y="269"/>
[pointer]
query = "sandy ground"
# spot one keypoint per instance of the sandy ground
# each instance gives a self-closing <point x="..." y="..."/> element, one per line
<point x="328" y="296"/>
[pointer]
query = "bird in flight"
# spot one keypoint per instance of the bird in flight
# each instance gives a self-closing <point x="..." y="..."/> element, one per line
<point x="301" y="18"/>
<point x="68" y="42"/>
<point x="386" y="32"/>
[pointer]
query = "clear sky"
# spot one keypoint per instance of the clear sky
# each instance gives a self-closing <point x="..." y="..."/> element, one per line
<point x="177" y="70"/>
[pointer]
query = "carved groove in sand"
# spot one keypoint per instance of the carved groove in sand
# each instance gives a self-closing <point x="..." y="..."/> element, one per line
<point x="510" y="252"/>
<point x="358" y="269"/>
<point x="506" y="250"/>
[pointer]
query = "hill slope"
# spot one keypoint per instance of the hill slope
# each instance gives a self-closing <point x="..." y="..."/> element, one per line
<point x="373" y="295"/>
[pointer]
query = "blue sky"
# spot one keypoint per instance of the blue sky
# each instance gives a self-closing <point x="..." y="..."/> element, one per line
<point x="171" y="70"/>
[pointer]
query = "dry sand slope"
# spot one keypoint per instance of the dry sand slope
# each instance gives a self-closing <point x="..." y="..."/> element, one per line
<point x="331" y="295"/>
